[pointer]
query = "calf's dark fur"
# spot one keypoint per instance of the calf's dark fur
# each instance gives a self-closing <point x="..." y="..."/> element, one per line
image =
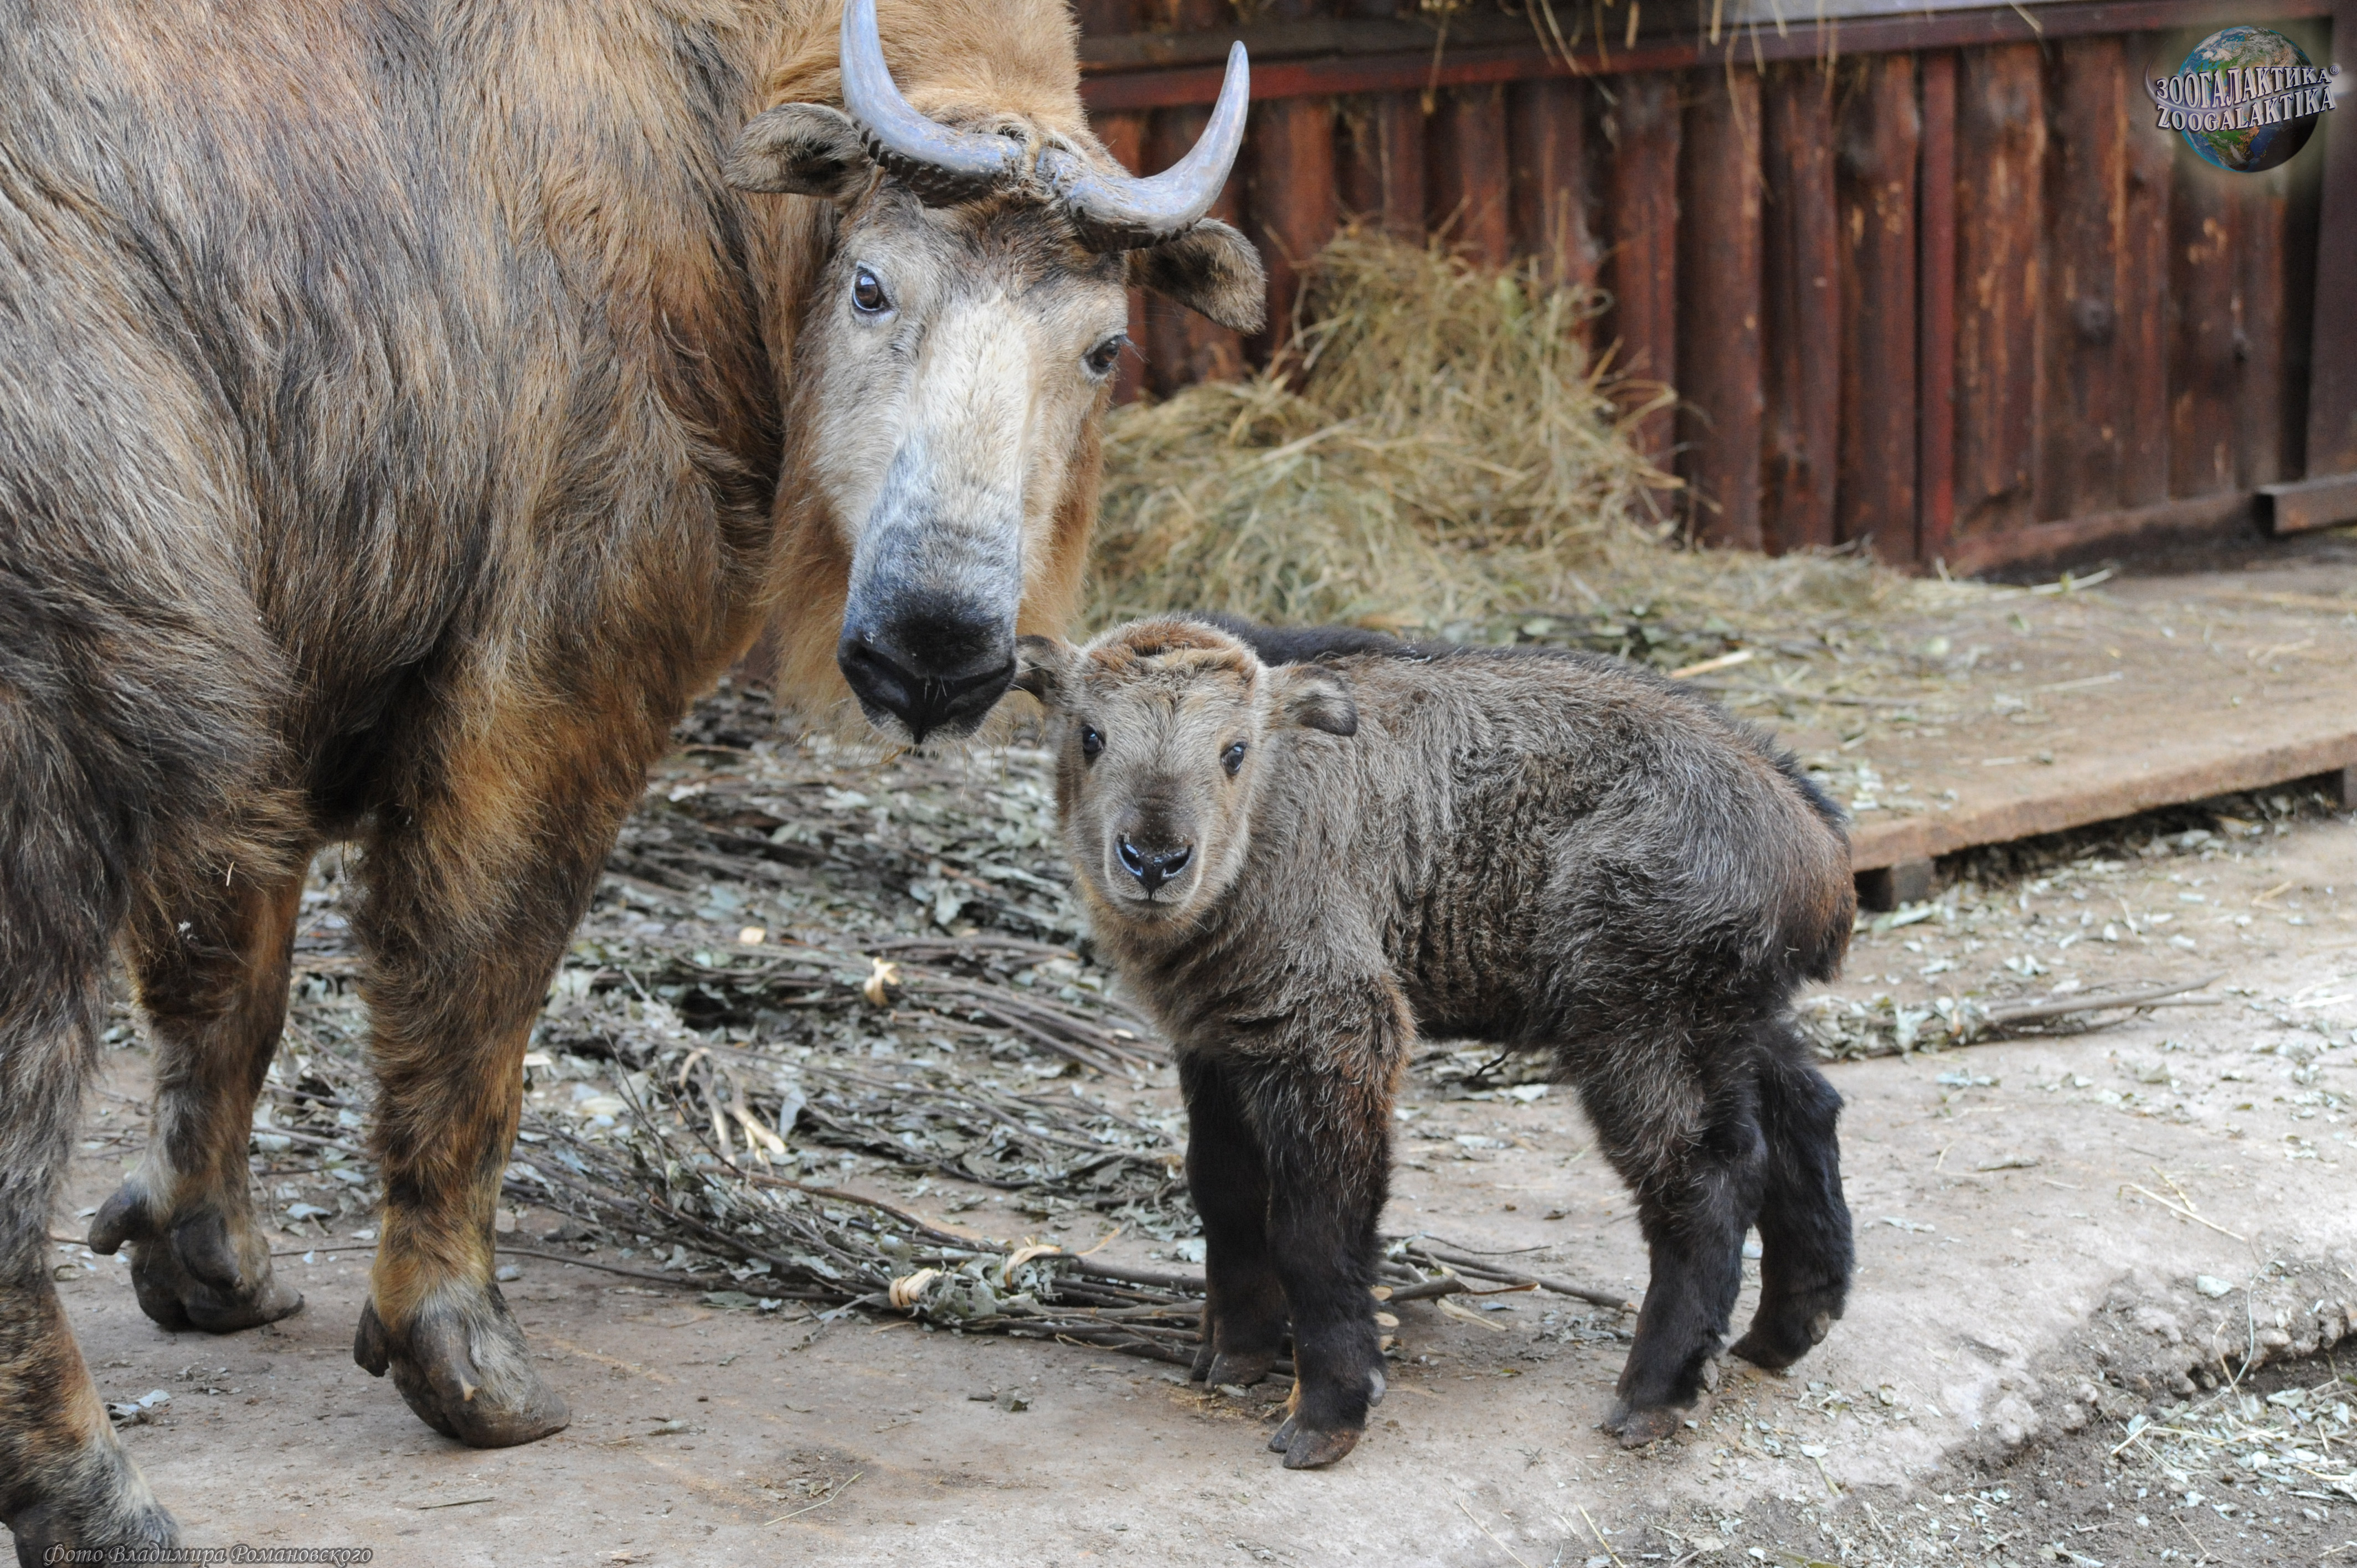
<point x="1301" y="863"/>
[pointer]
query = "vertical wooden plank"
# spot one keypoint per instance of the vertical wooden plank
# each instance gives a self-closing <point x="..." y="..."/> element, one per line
<point x="1718" y="327"/>
<point x="2331" y="443"/>
<point x="1935" y="325"/>
<point x="2079" y="457"/>
<point x="2204" y="304"/>
<point x="2000" y="146"/>
<point x="2258" y="348"/>
<point x="1643" y="129"/>
<point x="1124" y="136"/>
<point x="2142" y="302"/>
<point x="1467" y="175"/>
<point x="1800" y="271"/>
<point x="1181" y="347"/>
<point x="1293" y="199"/>
<point x="1358" y="159"/>
<point x="1399" y="130"/>
<point x="1875" y="183"/>
<point x="1546" y="136"/>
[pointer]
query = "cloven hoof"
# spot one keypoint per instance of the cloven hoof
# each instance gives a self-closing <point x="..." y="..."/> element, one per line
<point x="465" y="1372"/>
<point x="188" y="1272"/>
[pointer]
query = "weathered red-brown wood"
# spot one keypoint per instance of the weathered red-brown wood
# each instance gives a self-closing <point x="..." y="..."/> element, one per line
<point x="2332" y="436"/>
<point x="1292" y="201"/>
<point x="1935" y="325"/>
<point x="1800" y="319"/>
<point x="1181" y="347"/>
<point x="2142" y="312"/>
<point x="2205" y="310"/>
<point x="2087" y="87"/>
<point x="1400" y="129"/>
<point x="2000" y="146"/>
<point x="1719" y="376"/>
<point x="2258" y="351"/>
<point x="1467" y="185"/>
<point x="1547" y="135"/>
<point x="1642" y="199"/>
<point x="1875" y="185"/>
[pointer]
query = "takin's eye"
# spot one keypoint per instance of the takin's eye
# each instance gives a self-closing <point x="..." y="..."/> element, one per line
<point x="1091" y="743"/>
<point x="867" y="295"/>
<point x="1233" y="758"/>
<point x="1102" y="358"/>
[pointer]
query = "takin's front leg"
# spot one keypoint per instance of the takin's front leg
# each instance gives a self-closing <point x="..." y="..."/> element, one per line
<point x="1320" y="1109"/>
<point x="471" y="899"/>
<point x="211" y="962"/>
<point x="1243" y="1300"/>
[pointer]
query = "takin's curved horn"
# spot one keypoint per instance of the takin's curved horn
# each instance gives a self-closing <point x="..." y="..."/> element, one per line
<point x="1120" y="212"/>
<point x="942" y="166"/>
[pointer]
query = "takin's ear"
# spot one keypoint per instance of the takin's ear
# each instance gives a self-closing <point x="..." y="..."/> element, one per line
<point x="1315" y="698"/>
<point x="1210" y="269"/>
<point x="1039" y="666"/>
<point x="799" y="149"/>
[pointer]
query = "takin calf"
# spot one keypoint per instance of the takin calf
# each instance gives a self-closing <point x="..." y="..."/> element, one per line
<point x="1301" y="863"/>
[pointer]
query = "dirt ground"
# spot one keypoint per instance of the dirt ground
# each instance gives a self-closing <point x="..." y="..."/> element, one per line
<point x="2056" y="1236"/>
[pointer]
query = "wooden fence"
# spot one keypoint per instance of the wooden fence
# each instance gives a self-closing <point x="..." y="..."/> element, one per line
<point x="1933" y="280"/>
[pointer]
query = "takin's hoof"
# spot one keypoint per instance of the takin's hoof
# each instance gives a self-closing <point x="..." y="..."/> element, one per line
<point x="1776" y="1343"/>
<point x="103" y="1514"/>
<point x="1307" y="1448"/>
<point x="1241" y="1368"/>
<point x="193" y="1272"/>
<point x="1636" y="1428"/>
<point x="465" y="1371"/>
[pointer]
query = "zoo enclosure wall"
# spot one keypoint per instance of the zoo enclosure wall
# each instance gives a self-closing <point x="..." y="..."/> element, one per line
<point x="1932" y="281"/>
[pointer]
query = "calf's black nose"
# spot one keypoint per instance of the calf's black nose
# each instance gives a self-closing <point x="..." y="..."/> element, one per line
<point x="1152" y="867"/>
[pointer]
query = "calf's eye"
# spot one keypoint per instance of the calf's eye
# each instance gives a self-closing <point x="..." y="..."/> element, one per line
<point x="1091" y="742"/>
<point x="868" y="294"/>
<point x="1233" y="758"/>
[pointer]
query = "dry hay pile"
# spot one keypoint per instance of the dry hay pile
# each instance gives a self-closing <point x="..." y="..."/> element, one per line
<point x="1438" y="453"/>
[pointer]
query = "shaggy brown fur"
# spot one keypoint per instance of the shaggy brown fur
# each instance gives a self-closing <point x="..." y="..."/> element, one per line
<point x="400" y="416"/>
<point x="1302" y="866"/>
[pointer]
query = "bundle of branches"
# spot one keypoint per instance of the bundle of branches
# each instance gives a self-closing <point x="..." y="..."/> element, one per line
<point x="1842" y="1028"/>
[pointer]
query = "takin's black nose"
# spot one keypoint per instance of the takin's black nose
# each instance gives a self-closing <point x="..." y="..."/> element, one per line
<point x="1152" y="867"/>
<point x="930" y="671"/>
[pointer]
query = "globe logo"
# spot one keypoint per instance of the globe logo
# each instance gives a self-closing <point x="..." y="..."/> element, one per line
<point x="2246" y="98"/>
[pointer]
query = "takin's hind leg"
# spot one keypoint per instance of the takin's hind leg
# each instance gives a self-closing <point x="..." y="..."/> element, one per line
<point x="65" y="1483"/>
<point x="1243" y="1300"/>
<point x="1805" y="1226"/>
<point x="1694" y="1156"/>
<point x="473" y="889"/>
<point x="211" y="964"/>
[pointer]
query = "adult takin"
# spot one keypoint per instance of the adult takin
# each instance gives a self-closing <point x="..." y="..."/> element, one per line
<point x="1301" y="862"/>
<point x="405" y="409"/>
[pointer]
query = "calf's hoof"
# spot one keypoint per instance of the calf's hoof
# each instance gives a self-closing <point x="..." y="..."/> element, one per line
<point x="1636" y="1428"/>
<point x="1241" y="1368"/>
<point x="1307" y="1448"/>
<point x="193" y="1270"/>
<point x="1776" y="1343"/>
<point x="461" y="1364"/>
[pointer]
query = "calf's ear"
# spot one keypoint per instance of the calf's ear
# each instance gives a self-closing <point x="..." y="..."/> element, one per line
<point x="1039" y="666"/>
<point x="799" y="149"/>
<point x="1211" y="269"/>
<point x="1315" y="699"/>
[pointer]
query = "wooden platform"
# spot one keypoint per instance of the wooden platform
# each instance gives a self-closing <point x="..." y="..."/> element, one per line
<point x="2087" y="707"/>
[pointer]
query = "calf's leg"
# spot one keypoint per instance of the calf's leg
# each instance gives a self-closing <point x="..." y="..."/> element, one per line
<point x="212" y="965"/>
<point x="1243" y="1300"/>
<point x="474" y="887"/>
<point x="1692" y="1151"/>
<point x="1805" y="1228"/>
